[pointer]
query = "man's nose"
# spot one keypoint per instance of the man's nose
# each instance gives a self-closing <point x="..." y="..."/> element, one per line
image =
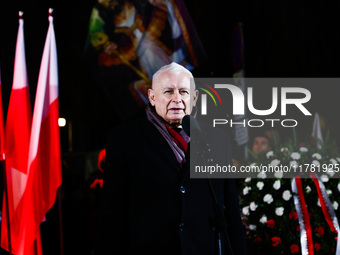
<point x="177" y="98"/>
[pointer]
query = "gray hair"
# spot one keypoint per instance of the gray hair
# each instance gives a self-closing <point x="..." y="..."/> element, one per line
<point x="171" y="68"/>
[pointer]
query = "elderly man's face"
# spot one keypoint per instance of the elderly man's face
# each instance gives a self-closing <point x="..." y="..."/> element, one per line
<point x="170" y="95"/>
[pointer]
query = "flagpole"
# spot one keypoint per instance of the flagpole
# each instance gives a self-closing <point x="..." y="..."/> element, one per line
<point x="3" y="159"/>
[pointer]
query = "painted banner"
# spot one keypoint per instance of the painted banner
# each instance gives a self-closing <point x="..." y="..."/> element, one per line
<point x="128" y="41"/>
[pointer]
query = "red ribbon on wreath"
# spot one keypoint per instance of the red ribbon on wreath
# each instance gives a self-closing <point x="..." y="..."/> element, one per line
<point x="301" y="209"/>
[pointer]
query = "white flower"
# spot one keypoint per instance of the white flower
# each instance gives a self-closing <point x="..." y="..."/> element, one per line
<point x="284" y="149"/>
<point x="303" y="149"/>
<point x="330" y="172"/>
<point x="253" y="206"/>
<point x="248" y="179"/>
<point x="335" y="205"/>
<point x="263" y="219"/>
<point x="252" y="227"/>
<point x="275" y="162"/>
<point x="339" y="186"/>
<point x="294" y="163"/>
<point x="279" y="211"/>
<point x="268" y="199"/>
<point x="245" y="210"/>
<point x="333" y="161"/>
<point x="270" y="154"/>
<point x="324" y="178"/>
<point x="329" y="192"/>
<point x="317" y="156"/>
<point x="246" y="190"/>
<point x="318" y="203"/>
<point x="286" y="195"/>
<point x="277" y="184"/>
<point x="262" y="175"/>
<point x="308" y="189"/>
<point x="315" y="163"/>
<point x="295" y="155"/>
<point x="252" y="165"/>
<point x="278" y="174"/>
<point x="260" y="185"/>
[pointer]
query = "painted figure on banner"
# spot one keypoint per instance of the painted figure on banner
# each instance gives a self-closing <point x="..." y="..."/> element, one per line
<point x="129" y="40"/>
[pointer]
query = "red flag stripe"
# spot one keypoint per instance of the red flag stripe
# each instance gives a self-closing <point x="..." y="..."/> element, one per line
<point x="305" y="215"/>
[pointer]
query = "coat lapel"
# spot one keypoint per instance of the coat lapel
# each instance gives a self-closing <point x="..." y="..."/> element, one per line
<point x="160" y="145"/>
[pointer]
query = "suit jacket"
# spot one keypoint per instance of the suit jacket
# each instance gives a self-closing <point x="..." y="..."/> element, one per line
<point x="151" y="206"/>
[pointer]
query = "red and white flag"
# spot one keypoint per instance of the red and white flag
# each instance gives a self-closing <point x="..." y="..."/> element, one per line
<point x="44" y="158"/>
<point x="18" y="128"/>
<point x="317" y="132"/>
<point x="2" y="135"/>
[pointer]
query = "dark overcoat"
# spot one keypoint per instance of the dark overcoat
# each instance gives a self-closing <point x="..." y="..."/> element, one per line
<point x="150" y="205"/>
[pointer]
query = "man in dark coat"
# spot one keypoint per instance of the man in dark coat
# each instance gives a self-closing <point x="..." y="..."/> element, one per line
<point x="150" y="205"/>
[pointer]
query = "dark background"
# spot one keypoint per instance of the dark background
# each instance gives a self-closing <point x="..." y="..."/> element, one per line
<point x="281" y="39"/>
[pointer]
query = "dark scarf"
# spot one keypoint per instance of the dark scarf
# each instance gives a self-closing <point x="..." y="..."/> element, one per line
<point x="178" y="142"/>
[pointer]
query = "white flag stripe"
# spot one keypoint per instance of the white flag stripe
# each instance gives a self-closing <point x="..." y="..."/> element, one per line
<point x="42" y="99"/>
<point x="317" y="133"/>
<point x="20" y="73"/>
<point x="53" y="71"/>
<point x="19" y="182"/>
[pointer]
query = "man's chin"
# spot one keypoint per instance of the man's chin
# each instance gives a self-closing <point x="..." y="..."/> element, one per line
<point x="175" y="119"/>
<point x="175" y="122"/>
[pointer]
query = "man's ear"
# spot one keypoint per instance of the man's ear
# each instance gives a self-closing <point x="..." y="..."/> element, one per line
<point x="195" y="97"/>
<point x="151" y="95"/>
